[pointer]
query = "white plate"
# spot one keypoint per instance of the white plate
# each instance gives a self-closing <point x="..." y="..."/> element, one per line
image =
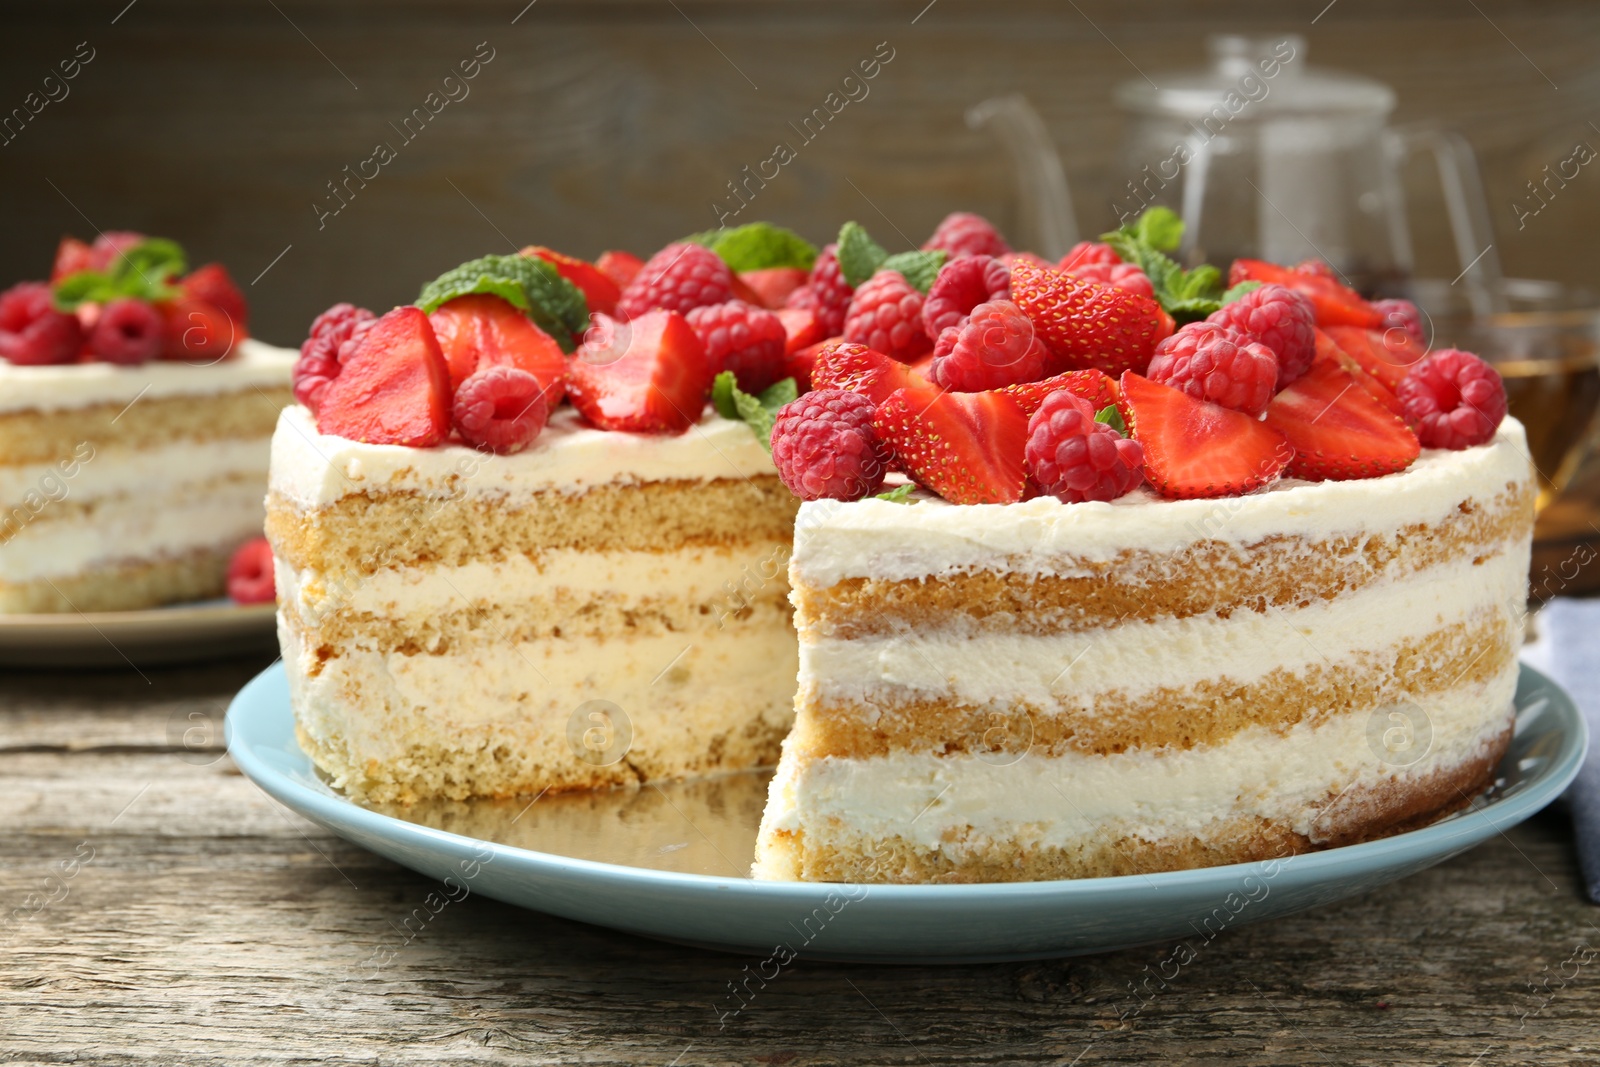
<point x="177" y="633"/>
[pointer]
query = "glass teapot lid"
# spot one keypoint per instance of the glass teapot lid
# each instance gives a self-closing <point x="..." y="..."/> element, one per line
<point x="1270" y="73"/>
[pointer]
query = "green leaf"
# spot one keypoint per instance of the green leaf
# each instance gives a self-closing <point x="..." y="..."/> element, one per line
<point x="1186" y="295"/>
<point x="758" y="246"/>
<point x="1112" y="418"/>
<point x="900" y="494"/>
<point x="859" y="255"/>
<point x="757" y="412"/>
<point x="1160" y="228"/>
<point x="554" y="304"/>
<point x="918" y="268"/>
<point x="144" y="272"/>
<point x="1235" y="292"/>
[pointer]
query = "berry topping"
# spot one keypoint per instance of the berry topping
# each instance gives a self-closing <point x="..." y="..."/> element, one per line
<point x="996" y="346"/>
<point x="598" y="288"/>
<point x="859" y="369"/>
<point x="1211" y="362"/>
<point x="1385" y="354"/>
<point x="1086" y="324"/>
<point x="32" y="331"/>
<point x="1338" y="431"/>
<point x="1087" y="254"/>
<point x="72" y="256"/>
<point x="197" y="332"/>
<point x="1279" y="318"/>
<point x="824" y="446"/>
<point x="799" y="363"/>
<point x="213" y="284"/>
<point x="480" y="331"/>
<point x="393" y="388"/>
<point x="1328" y="352"/>
<point x="886" y="314"/>
<point x="801" y="328"/>
<point x="250" y="573"/>
<point x="747" y="340"/>
<point x="962" y="285"/>
<point x="621" y="267"/>
<point x="827" y="293"/>
<point x="1454" y="399"/>
<point x="1093" y="386"/>
<point x="772" y="285"/>
<point x="1402" y="315"/>
<point x="1316" y="267"/>
<point x="964" y="234"/>
<point x="128" y="331"/>
<point x="1197" y="449"/>
<point x="319" y="355"/>
<point x="1335" y="304"/>
<point x="678" y="278"/>
<point x="967" y="447"/>
<point x="1125" y="276"/>
<point x="648" y="375"/>
<point x="500" y="408"/>
<point x="1074" y="458"/>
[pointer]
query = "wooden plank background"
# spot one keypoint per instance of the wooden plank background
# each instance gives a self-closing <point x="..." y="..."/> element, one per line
<point x="610" y="123"/>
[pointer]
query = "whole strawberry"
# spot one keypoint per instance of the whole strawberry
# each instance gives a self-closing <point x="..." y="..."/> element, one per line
<point x="824" y="446"/>
<point x="1125" y="276"/>
<point x="964" y="234"/>
<point x="319" y="354"/>
<point x="678" y="278"/>
<point x="1074" y="458"/>
<point x="886" y="314"/>
<point x="1453" y="399"/>
<point x="1211" y="362"/>
<point x="747" y="340"/>
<point x="1279" y="318"/>
<point x="995" y="347"/>
<point x="962" y="285"/>
<point x="826" y="292"/>
<point x="1089" y="253"/>
<point x="1086" y="324"/>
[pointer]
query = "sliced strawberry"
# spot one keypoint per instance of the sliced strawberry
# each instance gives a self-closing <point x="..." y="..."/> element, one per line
<point x="772" y="285"/>
<point x="1335" y="304"/>
<point x="1329" y="352"/>
<point x="802" y="326"/>
<point x="72" y="255"/>
<point x="799" y="363"/>
<point x="1385" y="354"/>
<point x="1095" y="386"/>
<point x="647" y="375"/>
<point x="742" y="291"/>
<point x="1086" y="324"/>
<point x="923" y="367"/>
<point x="394" y="389"/>
<point x="1339" y="430"/>
<point x="620" y="267"/>
<point x="197" y="331"/>
<point x="967" y="447"/>
<point x="864" y="370"/>
<point x="598" y="288"/>
<point x="481" y="330"/>
<point x="1193" y="448"/>
<point x="213" y="284"/>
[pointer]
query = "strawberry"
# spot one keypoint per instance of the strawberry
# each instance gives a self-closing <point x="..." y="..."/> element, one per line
<point x="864" y="370"/>
<point x="620" y="267"/>
<point x="598" y="288"/>
<point x="967" y="447"/>
<point x="772" y="285"/>
<point x="197" y="331"/>
<point x="1337" y="429"/>
<point x="481" y="331"/>
<point x="802" y="326"/>
<point x="1335" y="304"/>
<point x="1086" y="324"/>
<point x="799" y="363"/>
<point x="1385" y="354"/>
<point x="648" y="375"/>
<point x="394" y="388"/>
<point x="214" y="285"/>
<point x="1095" y="386"/>
<point x="72" y="255"/>
<point x="1194" y="448"/>
<point x="1329" y="352"/>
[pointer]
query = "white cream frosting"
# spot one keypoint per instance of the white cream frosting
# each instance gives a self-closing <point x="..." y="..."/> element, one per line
<point x="76" y="385"/>
<point x="312" y="469"/>
<point x="129" y="472"/>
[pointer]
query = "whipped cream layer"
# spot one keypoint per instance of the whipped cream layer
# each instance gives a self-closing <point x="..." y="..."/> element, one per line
<point x="128" y="472"/>
<point x="77" y="385"/>
<point x="930" y="537"/>
<point x="312" y="469"/>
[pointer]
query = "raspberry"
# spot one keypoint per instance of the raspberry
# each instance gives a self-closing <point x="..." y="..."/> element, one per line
<point x="1124" y="276"/>
<point x="1453" y="399"/>
<point x="325" y="349"/>
<point x="962" y="285"/>
<point x="825" y="448"/>
<point x="500" y="408"/>
<point x="32" y="331"/>
<point x="1074" y="458"/>
<point x="1089" y="253"/>
<point x="1316" y="268"/>
<point x="886" y="314"/>
<point x="1211" y="362"/>
<point x="679" y="278"/>
<point x="996" y="346"/>
<point x="128" y="331"/>
<point x="250" y="573"/>
<point x="745" y="339"/>
<point x="825" y="292"/>
<point x="964" y="234"/>
<point x="1403" y="315"/>
<point x="1279" y="318"/>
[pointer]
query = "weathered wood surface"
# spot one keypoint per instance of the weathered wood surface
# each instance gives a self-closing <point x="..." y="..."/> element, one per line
<point x="204" y="924"/>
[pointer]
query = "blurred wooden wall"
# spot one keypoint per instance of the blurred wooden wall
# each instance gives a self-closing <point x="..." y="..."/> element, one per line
<point x="619" y="124"/>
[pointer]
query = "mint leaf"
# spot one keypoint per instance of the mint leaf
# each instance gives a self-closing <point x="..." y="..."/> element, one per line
<point x="1235" y="292"/>
<point x="900" y="494"/>
<point x="918" y="268"/>
<point x="1112" y="418"/>
<point x="554" y="304"/>
<point x="859" y="255"/>
<point x="1160" y="228"/>
<point x="758" y="246"/>
<point x="758" y="412"/>
<point x="1185" y="295"/>
<point x="143" y="272"/>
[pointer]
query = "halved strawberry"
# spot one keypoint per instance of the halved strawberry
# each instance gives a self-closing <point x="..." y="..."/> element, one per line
<point x="213" y="284"/>
<point x="72" y="255"/>
<point x="1095" y="386"/>
<point x="481" y="330"/>
<point x="1193" y="448"/>
<point x="1385" y="354"/>
<point x="620" y="267"/>
<point x="799" y="363"/>
<point x="197" y="331"/>
<point x="395" y="387"/>
<point x="647" y="375"/>
<point x="1334" y="304"/>
<point x="802" y="326"/>
<point x="859" y="369"/>
<point x="599" y="289"/>
<point x="1337" y="429"/>
<point x="1086" y="324"/>
<point x="967" y="447"/>
<point x="1329" y="352"/>
<point x="772" y="285"/>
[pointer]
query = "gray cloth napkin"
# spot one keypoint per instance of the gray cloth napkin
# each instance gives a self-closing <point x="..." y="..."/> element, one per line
<point x="1568" y="650"/>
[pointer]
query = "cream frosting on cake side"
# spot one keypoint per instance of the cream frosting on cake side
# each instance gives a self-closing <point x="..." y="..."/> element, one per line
<point x="66" y="386"/>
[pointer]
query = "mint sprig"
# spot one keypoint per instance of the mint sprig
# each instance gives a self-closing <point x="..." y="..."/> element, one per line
<point x="760" y="411"/>
<point x="860" y="257"/>
<point x="1112" y="418"/>
<point x="144" y="272"/>
<point x="758" y="246"/>
<point x="900" y="494"/>
<point x="1186" y="295"/>
<point x="554" y="304"/>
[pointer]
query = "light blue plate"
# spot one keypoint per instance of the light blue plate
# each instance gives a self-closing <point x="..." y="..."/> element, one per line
<point x="671" y="863"/>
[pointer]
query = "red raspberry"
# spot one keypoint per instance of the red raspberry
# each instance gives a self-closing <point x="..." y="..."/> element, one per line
<point x="1453" y="399"/>
<point x="324" y="349"/>
<point x="678" y="278"/>
<point x="128" y="331"/>
<point x="500" y="408"/>
<point x="250" y="573"/>
<point x="824" y="446"/>
<point x="886" y="314"/>
<point x="1279" y="318"/>
<point x="110" y="247"/>
<point x="1089" y="253"/>
<point x="962" y="285"/>
<point x="964" y="234"/>
<point x="745" y="339"/>
<point x="1074" y="458"/>
<point x="825" y="292"/>
<point x="1125" y="276"/>
<point x="1403" y="315"/>
<point x="996" y="346"/>
<point x="1211" y="362"/>
<point x="1316" y="268"/>
<point x="32" y="331"/>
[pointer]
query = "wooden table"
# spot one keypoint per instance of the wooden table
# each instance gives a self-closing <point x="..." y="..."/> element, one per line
<point x="160" y="909"/>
